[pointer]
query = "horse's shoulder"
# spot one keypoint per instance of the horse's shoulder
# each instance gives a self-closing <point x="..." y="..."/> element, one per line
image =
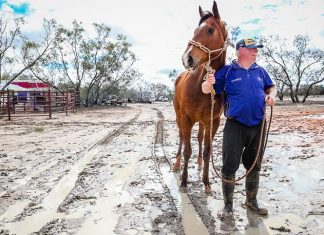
<point x="181" y="78"/>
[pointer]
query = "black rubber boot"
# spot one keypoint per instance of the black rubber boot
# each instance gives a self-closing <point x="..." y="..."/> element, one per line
<point x="228" y="191"/>
<point x="251" y="187"/>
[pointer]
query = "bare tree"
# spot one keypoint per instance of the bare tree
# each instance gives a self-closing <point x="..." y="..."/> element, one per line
<point x="30" y="52"/>
<point x="277" y="75"/>
<point x="46" y="69"/>
<point x="294" y="65"/>
<point x="10" y="32"/>
<point x="234" y="32"/>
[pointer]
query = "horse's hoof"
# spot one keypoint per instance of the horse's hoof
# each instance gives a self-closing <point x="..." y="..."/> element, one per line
<point x="208" y="190"/>
<point x="183" y="189"/>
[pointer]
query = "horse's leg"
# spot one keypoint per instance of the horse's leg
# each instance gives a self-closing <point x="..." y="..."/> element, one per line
<point x="186" y="135"/>
<point x="206" y="154"/>
<point x="177" y="164"/>
<point x="200" y="140"/>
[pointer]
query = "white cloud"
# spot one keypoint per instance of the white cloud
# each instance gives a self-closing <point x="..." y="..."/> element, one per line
<point x="160" y="30"/>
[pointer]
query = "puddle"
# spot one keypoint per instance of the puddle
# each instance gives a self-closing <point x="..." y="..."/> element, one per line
<point x="292" y="221"/>
<point x="302" y="180"/>
<point x="318" y="116"/>
<point x="52" y="201"/>
<point x="103" y="221"/>
<point x="22" y="181"/>
<point x="192" y="223"/>
<point x="14" y="210"/>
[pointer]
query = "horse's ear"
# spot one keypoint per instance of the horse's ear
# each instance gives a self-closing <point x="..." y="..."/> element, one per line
<point x="201" y="13"/>
<point x="215" y="11"/>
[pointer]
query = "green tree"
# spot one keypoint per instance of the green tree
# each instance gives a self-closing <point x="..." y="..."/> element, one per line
<point x="161" y="90"/>
<point x="173" y="74"/>
<point x="110" y="63"/>
<point x="98" y="63"/>
<point x="71" y="54"/>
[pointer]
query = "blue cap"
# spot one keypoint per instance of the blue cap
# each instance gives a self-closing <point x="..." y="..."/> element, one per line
<point x="247" y="43"/>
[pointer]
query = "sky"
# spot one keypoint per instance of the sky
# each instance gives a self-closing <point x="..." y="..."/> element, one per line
<point x="160" y="30"/>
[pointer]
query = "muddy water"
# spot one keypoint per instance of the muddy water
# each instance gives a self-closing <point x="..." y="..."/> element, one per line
<point x="123" y="184"/>
<point x="52" y="200"/>
<point x="104" y="219"/>
<point x="192" y="223"/>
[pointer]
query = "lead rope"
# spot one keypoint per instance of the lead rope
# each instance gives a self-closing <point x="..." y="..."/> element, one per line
<point x="212" y="94"/>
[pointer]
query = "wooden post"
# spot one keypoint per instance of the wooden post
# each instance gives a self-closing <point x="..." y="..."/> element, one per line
<point x="8" y="105"/>
<point x="34" y="101"/>
<point x="67" y="102"/>
<point x="49" y="104"/>
<point x="74" y="100"/>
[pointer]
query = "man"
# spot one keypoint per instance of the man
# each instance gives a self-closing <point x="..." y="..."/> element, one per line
<point x="246" y="87"/>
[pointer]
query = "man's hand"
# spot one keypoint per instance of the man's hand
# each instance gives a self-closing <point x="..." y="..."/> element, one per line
<point x="210" y="79"/>
<point x="270" y="100"/>
<point x="270" y="97"/>
<point x="207" y="85"/>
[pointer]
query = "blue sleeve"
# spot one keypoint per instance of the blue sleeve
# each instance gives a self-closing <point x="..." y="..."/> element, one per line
<point x="266" y="79"/>
<point x="220" y="79"/>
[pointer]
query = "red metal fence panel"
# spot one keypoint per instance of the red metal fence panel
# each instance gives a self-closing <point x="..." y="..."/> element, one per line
<point x="37" y="103"/>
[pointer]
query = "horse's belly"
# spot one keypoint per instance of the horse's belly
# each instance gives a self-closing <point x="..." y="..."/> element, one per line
<point x="199" y="115"/>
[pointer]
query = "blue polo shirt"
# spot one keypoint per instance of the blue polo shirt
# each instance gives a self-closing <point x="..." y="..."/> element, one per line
<point x="244" y="90"/>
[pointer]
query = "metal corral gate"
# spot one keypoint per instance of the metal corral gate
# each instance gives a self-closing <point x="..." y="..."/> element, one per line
<point x="37" y="103"/>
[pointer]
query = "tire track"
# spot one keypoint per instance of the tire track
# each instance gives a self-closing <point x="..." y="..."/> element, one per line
<point x="93" y="167"/>
<point x="192" y="215"/>
<point x="49" y="207"/>
<point x="117" y="132"/>
<point x="162" y="164"/>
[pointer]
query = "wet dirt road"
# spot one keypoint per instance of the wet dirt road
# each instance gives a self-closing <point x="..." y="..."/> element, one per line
<point x="108" y="171"/>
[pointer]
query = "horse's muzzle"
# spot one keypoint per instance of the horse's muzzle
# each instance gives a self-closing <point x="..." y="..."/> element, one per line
<point x="188" y="61"/>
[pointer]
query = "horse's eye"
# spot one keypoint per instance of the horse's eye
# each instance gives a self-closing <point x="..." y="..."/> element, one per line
<point x="211" y="30"/>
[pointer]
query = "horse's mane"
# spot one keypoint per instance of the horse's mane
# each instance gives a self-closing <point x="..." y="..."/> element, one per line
<point x="205" y="16"/>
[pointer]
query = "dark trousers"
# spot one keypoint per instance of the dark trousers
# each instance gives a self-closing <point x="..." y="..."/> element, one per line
<point x="240" y="142"/>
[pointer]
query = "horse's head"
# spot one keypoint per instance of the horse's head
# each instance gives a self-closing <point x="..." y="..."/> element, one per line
<point x="209" y="41"/>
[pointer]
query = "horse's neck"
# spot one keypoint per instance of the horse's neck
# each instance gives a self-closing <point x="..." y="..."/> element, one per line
<point x="200" y="72"/>
<point x="220" y="62"/>
<point x="200" y="75"/>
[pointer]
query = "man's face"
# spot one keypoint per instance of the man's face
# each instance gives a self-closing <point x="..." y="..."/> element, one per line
<point x="248" y="54"/>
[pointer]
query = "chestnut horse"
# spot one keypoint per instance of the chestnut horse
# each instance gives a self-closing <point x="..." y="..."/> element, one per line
<point x="208" y="45"/>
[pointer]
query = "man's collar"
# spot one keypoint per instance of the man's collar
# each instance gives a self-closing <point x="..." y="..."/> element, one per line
<point x="237" y="66"/>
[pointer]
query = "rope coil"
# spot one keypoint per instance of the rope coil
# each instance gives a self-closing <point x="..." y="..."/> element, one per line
<point x="259" y="145"/>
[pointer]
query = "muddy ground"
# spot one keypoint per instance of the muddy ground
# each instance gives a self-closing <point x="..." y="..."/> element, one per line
<point x="108" y="171"/>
